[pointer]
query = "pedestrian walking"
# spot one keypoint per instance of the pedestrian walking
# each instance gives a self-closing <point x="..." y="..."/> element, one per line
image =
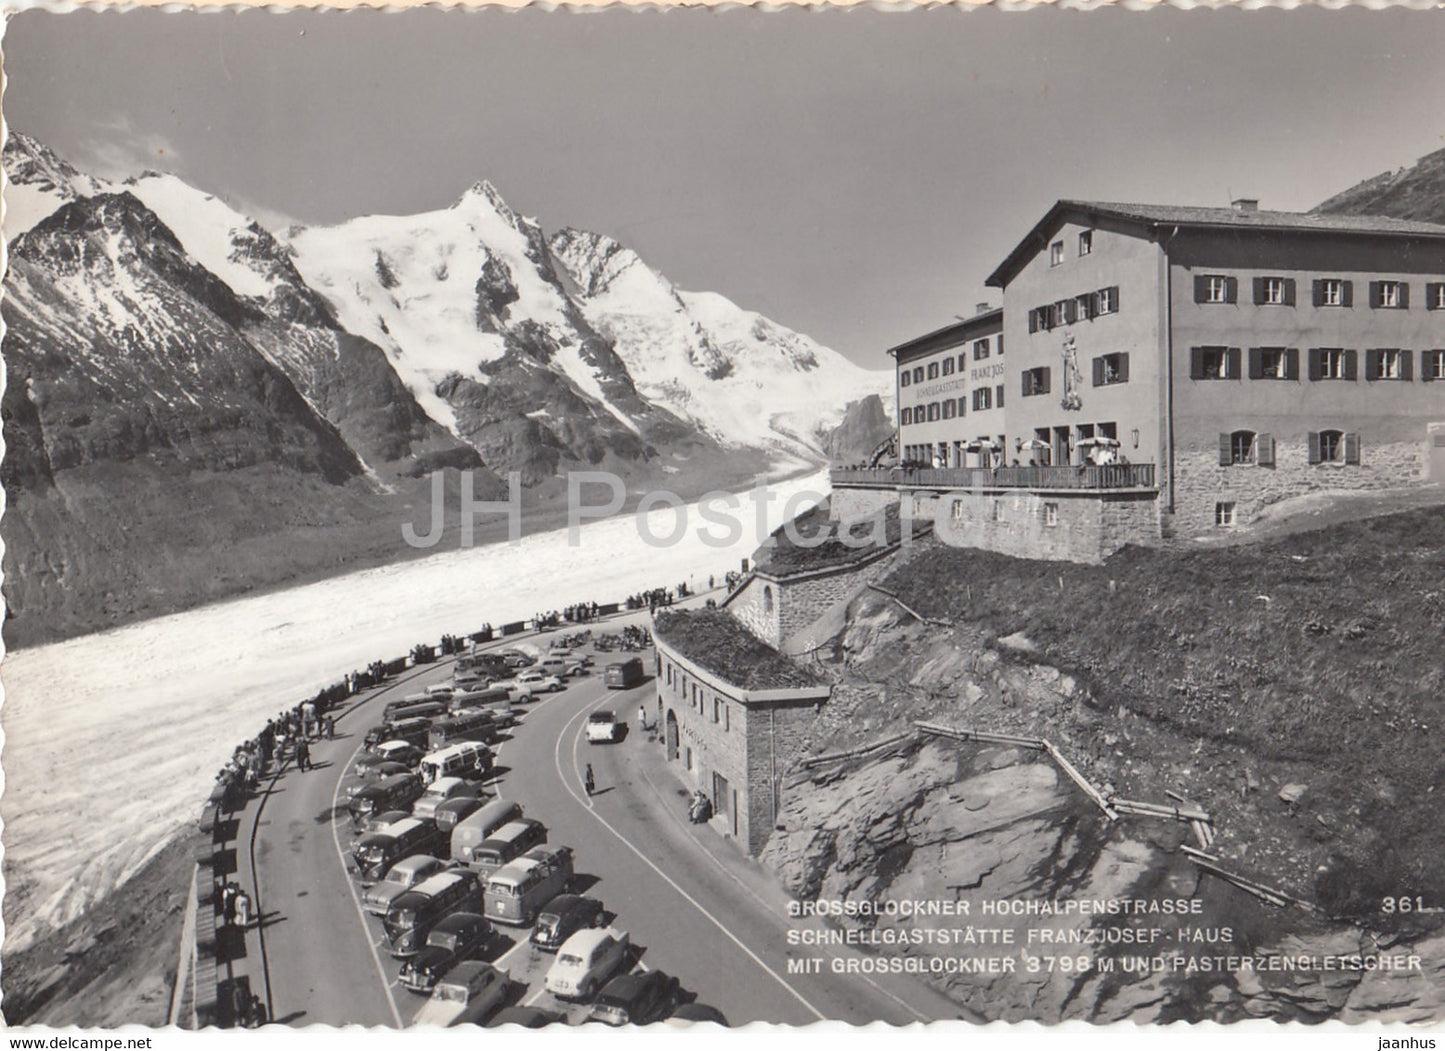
<point x="589" y="782"/>
<point x="228" y="904"/>
<point x="243" y="909"/>
<point x="642" y="718"/>
<point x="303" y="754"/>
<point x="330" y="727"/>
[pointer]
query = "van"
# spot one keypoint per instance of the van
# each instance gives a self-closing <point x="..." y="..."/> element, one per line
<point x="393" y="793"/>
<point x="467" y="759"/>
<point x="623" y="675"/>
<point x="469" y="833"/>
<point x="377" y="852"/>
<point x="517" y="891"/>
<point x="413" y="731"/>
<point x="413" y="914"/>
<point x="507" y="844"/>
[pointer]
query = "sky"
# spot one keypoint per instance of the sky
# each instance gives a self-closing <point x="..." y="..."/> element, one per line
<point x="854" y="175"/>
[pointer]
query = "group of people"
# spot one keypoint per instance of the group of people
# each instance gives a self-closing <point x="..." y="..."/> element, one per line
<point x="577" y="613"/>
<point x="249" y="1009"/>
<point x="632" y="638"/>
<point x="651" y="599"/>
<point x="235" y="905"/>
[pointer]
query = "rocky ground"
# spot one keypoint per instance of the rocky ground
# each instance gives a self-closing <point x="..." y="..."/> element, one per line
<point x="116" y="965"/>
<point x="936" y="818"/>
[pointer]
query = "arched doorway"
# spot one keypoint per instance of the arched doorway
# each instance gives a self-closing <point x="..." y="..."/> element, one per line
<point x="671" y="735"/>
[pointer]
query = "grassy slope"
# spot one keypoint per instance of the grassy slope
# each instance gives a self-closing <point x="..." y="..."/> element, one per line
<point x="1324" y="650"/>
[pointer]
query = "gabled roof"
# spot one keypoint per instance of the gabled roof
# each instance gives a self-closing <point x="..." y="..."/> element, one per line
<point x="1151" y="217"/>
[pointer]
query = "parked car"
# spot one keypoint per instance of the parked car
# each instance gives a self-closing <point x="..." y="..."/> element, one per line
<point x="403" y="752"/>
<point x="602" y="725"/>
<point x="539" y="682"/>
<point x="441" y="790"/>
<point x="564" y="916"/>
<point x="400" y="878"/>
<point x="450" y="942"/>
<point x="376" y="852"/>
<point x="577" y="667"/>
<point x="376" y="823"/>
<point x="585" y="961"/>
<point x="636" y="999"/>
<point x="696" y="1012"/>
<point x="517" y="659"/>
<point x="374" y="773"/>
<point x="469" y="993"/>
<point x="526" y="1017"/>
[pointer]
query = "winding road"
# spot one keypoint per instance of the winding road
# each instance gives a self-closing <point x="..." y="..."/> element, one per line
<point x="693" y="904"/>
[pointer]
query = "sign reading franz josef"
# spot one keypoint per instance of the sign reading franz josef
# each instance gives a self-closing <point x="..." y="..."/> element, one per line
<point x="785" y="668"/>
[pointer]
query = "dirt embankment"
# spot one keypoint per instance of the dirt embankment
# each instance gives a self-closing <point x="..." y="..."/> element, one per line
<point x="984" y="823"/>
<point x="116" y="965"/>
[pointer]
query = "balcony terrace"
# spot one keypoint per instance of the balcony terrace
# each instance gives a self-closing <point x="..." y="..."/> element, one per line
<point x="1113" y="476"/>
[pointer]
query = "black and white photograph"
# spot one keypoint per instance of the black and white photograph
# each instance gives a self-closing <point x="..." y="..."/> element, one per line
<point x="686" y="518"/>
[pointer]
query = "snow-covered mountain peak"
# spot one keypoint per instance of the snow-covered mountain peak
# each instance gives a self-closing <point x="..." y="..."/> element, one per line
<point x="39" y="181"/>
<point x="600" y="265"/>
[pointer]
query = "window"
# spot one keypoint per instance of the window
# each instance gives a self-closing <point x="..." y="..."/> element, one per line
<point x="1084" y="306"/>
<point x="1000" y="345"/>
<point x="998" y="397"/>
<point x="1435" y="296"/>
<point x="905" y="378"/>
<point x="996" y="510"/>
<point x="1086" y="242"/>
<point x="1432" y="365"/>
<point x="1333" y="292"/>
<point x="1036" y="381"/>
<point x="1214" y="363"/>
<point x="1224" y="513"/>
<point x="1241" y="447"/>
<point x="768" y="598"/>
<point x="982" y="399"/>
<point x="1056" y="253"/>
<point x="1389" y="365"/>
<point x="717" y="710"/>
<point x="948" y="366"/>
<point x="1110" y="369"/>
<point x="918" y="374"/>
<point x="958" y="514"/>
<point x="933" y="370"/>
<point x="1062" y="312"/>
<point x="1332" y="363"/>
<point x="1274" y="291"/>
<point x="950" y="409"/>
<point x="933" y="411"/>
<point x="962" y="362"/>
<point x="1106" y="301"/>
<point x="980" y="349"/>
<point x="1390" y="295"/>
<point x="1040" y="319"/>
<point x="1051" y="514"/>
<point x="1334" y="447"/>
<point x="962" y="404"/>
<point x="907" y="415"/>
<point x="1215" y="288"/>
<point x="1273" y="363"/>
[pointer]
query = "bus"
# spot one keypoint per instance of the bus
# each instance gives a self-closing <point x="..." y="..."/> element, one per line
<point x="471" y="724"/>
<point x="623" y="675"/>
<point x="479" y="698"/>
<point x="517" y="891"/>
<point x="472" y="831"/>
<point x="413" y="709"/>
<point x="467" y="759"/>
<point x="506" y="845"/>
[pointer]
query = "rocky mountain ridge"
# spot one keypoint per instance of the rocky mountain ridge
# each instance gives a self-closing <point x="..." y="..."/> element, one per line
<point x="1414" y="192"/>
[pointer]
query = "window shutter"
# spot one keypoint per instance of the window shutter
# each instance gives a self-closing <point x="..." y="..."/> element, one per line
<point x="1225" y="459"/>
<point x="1232" y="370"/>
<point x="1259" y="290"/>
<point x="962" y="404"/>
<point x="1256" y="366"/>
<point x="1319" y="292"/>
<point x="1432" y="296"/>
<point x="1291" y="363"/>
<point x="1000" y="344"/>
<point x="1404" y="295"/>
<point x="1314" y="443"/>
<point x="1045" y="389"/>
<point x="1372" y="364"/>
<point x="1316" y="370"/>
<point x="1264" y="450"/>
<point x="1376" y="295"/>
<point x="1352" y="365"/>
<point x="1201" y="288"/>
<point x="1114" y="298"/>
<point x="1098" y="372"/>
<point x="1124" y="367"/>
<point x="1024" y="390"/>
<point x="1407" y="364"/>
<point x="1196" y="363"/>
<point x="1427" y="372"/>
<point x="1231" y="290"/>
<point x="1289" y="291"/>
<point x="1347" y="294"/>
<point x="1033" y="321"/>
<point x="999" y="391"/>
<point x="1352" y="448"/>
<point x="1071" y="311"/>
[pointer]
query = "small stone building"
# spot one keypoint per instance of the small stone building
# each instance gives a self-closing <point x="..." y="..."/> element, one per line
<point x="733" y="712"/>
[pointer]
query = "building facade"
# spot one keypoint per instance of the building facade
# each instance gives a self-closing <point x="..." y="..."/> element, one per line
<point x="1224" y="358"/>
<point x="950" y="390"/>
<point x="730" y="739"/>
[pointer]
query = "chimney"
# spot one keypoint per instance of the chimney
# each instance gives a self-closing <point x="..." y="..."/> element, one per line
<point x="1245" y="204"/>
<point x="980" y="308"/>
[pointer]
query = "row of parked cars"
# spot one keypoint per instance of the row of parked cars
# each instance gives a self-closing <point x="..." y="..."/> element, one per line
<point x="443" y="865"/>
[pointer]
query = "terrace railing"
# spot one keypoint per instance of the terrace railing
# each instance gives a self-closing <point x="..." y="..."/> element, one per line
<point x="1085" y="476"/>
